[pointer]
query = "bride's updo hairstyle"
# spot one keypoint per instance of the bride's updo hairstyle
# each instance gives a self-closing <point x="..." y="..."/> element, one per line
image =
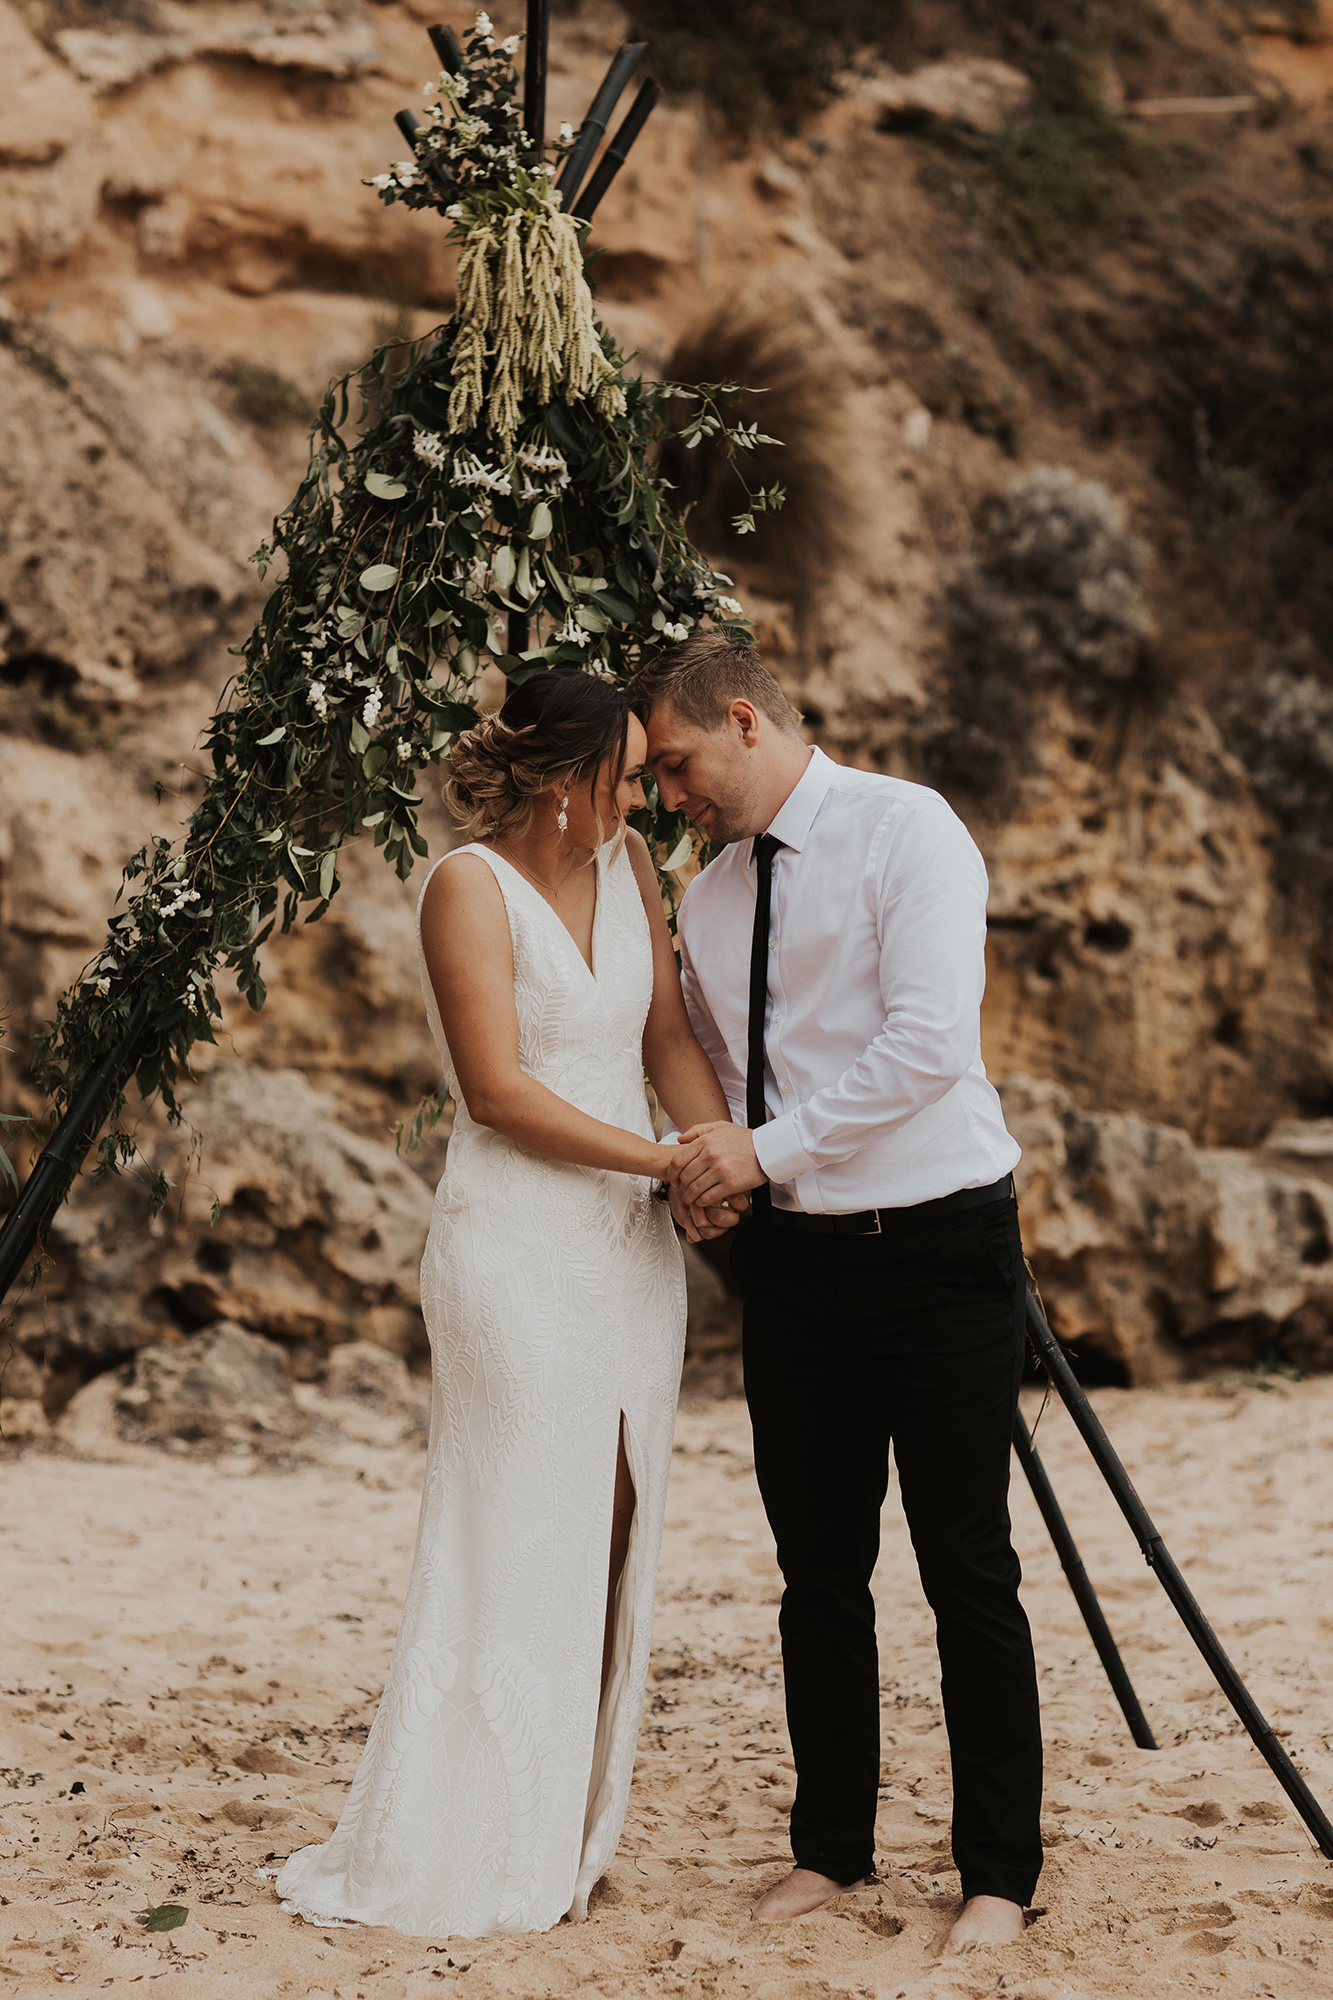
<point x="560" y="727"/>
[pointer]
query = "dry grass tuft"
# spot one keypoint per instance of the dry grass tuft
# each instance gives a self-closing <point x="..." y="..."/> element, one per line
<point x="765" y="62"/>
<point x="800" y="401"/>
<point x="1279" y="719"/>
<point x="1053" y="595"/>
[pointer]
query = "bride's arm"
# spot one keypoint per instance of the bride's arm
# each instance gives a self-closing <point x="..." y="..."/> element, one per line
<point x="677" y="1067"/>
<point x="469" y="956"/>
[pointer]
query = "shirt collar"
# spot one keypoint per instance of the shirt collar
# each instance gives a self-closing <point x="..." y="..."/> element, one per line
<point x="793" y="820"/>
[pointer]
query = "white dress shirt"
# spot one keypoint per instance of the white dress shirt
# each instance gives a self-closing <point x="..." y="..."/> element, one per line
<point x="873" y="1078"/>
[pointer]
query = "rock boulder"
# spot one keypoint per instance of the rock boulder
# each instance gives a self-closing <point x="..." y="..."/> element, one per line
<point x="1170" y="1258"/>
<point x="286" y="1225"/>
<point x="225" y="1386"/>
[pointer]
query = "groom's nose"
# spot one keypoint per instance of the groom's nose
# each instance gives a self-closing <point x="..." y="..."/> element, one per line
<point x="671" y="792"/>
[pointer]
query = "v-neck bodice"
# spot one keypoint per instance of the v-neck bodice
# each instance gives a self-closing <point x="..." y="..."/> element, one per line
<point x="580" y="1027"/>
<point x="531" y="887"/>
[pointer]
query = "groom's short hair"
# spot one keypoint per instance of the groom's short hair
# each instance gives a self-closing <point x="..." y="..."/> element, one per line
<point x="703" y="675"/>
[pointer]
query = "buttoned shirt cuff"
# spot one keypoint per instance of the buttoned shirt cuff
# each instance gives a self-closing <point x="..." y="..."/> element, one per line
<point x="779" y="1151"/>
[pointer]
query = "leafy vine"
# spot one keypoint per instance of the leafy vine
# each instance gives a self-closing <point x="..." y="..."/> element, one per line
<point x="503" y="464"/>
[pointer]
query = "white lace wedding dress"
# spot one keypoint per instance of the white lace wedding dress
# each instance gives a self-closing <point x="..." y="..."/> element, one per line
<point x="492" y="1790"/>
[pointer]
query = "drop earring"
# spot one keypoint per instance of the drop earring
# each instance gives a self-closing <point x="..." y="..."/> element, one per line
<point x="562" y="817"/>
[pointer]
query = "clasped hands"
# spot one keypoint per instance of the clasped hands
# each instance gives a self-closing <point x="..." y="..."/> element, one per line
<point x="712" y="1169"/>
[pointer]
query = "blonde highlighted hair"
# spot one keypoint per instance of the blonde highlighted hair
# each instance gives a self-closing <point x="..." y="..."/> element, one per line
<point x="703" y="675"/>
<point x="559" y="728"/>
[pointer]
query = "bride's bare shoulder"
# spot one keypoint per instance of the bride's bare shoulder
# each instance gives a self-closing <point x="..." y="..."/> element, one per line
<point x="640" y="856"/>
<point x="650" y="888"/>
<point x="463" y="889"/>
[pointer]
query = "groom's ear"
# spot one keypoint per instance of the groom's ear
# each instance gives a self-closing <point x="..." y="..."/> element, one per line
<point x="744" y="716"/>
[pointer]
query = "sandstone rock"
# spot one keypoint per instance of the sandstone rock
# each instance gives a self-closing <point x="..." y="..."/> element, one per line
<point x="366" y="1374"/>
<point x="89" y="1426"/>
<point x="62" y="841"/>
<point x="22" y="1420"/>
<point x="318" y="1237"/>
<point x="970" y="91"/>
<point x="102" y="581"/>
<point x="285" y="1171"/>
<point x="1303" y="1146"/>
<point x="1166" y="1257"/>
<point x="1138" y="953"/>
<point x="36" y="113"/>
<point x="20" y="1377"/>
<point x="43" y="120"/>
<point x="328" y="41"/>
<point x="368" y="1395"/>
<point x="225" y="1385"/>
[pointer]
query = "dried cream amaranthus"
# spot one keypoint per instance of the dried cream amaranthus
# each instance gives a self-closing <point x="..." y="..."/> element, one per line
<point x="507" y="344"/>
<point x="468" y="352"/>
<point x="524" y="302"/>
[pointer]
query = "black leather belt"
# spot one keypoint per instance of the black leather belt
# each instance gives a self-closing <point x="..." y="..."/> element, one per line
<point x="879" y="1221"/>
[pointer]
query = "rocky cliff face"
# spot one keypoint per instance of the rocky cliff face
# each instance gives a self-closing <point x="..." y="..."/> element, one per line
<point x="188" y="253"/>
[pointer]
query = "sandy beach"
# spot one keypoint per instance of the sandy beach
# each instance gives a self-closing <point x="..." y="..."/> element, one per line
<point x="194" y="1648"/>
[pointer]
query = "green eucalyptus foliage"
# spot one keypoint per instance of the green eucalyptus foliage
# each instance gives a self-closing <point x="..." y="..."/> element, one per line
<point x="401" y="559"/>
<point x="162" y="1916"/>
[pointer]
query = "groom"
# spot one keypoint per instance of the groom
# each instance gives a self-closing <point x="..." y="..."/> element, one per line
<point x="834" y="958"/>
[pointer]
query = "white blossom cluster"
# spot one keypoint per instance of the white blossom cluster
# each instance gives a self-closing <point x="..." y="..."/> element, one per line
<point x="546" y="469"/>
<point x="470" y="471"/>
<point x="468" y="125"/>
<point x="430" y="447"/>
<point x="401" y="175"/>
<point x="178" y="902"/>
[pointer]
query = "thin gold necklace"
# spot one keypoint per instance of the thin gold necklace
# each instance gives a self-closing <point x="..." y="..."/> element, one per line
<point x="548" y="888"/>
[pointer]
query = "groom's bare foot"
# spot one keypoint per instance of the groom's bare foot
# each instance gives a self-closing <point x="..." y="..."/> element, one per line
<point x="797" y="1894"/>
<point x="985" y="1920"/>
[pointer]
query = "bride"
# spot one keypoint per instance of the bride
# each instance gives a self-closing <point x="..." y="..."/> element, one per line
<point x="493" y="1786"/>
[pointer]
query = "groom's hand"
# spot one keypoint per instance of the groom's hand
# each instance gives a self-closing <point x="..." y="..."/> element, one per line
<point x="702" y="1225"/>
<point x="714" y="1162"/>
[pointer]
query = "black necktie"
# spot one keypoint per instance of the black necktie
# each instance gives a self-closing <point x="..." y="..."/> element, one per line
<point x="756" y="1111"/>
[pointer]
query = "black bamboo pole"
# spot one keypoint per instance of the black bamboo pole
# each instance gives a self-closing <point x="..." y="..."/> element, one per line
<point x="534" y="123"/>
<point x="613" y="159"/>
<point x="534" y="71"/>
<point x="1081" y="1585"/>
<point x="623" y="65"/>
<point x="62" y="1155"/>
<point x="406" y="121"/>
<point x="447" y="47"/>
<point x="1163" y="1566"/>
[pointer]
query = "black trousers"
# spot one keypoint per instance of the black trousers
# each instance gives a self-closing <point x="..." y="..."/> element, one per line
<point x="913" y="1337"/>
